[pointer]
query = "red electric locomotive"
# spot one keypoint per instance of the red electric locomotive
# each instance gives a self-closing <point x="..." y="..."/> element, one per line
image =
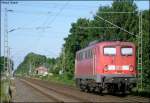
<point x="107" y="66"/>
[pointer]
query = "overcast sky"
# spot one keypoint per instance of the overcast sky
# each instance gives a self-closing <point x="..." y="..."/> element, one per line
<point x="58" y="15"/>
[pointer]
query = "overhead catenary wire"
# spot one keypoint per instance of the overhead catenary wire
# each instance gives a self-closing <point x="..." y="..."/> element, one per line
<point x="88" y="27"/>
<point x="53" y="19"/>
<point x="29" y="28"/>
<point x="58" y="13"/>
<point x="29" y="12"/>
<point x="115" y="24"/>
<point x="46" y="20"/>
<point x="113" y="12"/>
<point x="46" y="5"/>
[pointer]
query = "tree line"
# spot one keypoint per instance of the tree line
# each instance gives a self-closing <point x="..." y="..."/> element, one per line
<point x="32" y="61"/>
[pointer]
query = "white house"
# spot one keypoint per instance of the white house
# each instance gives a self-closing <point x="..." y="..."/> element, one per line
<point x="41" y="71"/>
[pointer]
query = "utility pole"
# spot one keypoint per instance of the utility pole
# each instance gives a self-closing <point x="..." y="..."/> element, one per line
<point x="30" y="68"/>
<point x="140" y="44"/>
<point x="9" y="62"/>
<point x="6" y="42"/>
<point x="7" y="66"/>
<point x="63" y="61"/>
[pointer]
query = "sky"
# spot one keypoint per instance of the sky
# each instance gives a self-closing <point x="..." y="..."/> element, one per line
<point x="54" y="16"/>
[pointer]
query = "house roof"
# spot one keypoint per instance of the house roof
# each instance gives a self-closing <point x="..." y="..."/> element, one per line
<point x="41" y="68"/>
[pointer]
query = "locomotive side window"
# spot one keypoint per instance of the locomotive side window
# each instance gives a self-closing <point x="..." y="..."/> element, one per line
<point x="89" y="54"/>
<point x="109" y="51"/>
<point x="84" y="55"/>
<point x="126" y="50"/>
<point x="79" y="56"/>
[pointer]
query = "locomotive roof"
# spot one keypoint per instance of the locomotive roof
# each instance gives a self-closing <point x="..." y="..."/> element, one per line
<point x="108" y="42"/>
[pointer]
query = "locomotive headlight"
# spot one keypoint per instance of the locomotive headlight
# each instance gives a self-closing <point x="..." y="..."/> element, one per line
<point x="106" y="68"/>
<point x="131" y="68"/>
<point x="109" y="67"/>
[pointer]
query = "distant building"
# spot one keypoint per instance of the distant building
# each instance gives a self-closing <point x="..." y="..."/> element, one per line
<point x="41" y="71"/>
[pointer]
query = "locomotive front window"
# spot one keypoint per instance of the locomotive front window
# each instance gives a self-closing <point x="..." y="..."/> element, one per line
<point x="109" y="51"/>
<point x="126" y="51"/>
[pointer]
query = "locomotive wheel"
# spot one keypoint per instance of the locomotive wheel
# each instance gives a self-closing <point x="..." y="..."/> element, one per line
<point x="77" y="81"/>
<point x="122" y="88"/>
<point x="98" y="90"/>
<point x="83" y="88"/>
<point x="91" y="89"/>
<point x="111" y="88"/>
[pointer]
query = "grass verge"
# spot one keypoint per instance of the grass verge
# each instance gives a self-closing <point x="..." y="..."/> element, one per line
<point x="62" y="79"/>
<point x="4" y="91"/>
<point x="141" y="92"/>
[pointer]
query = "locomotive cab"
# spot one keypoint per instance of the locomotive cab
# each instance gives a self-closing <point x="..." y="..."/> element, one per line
<point x="118" y="66"/>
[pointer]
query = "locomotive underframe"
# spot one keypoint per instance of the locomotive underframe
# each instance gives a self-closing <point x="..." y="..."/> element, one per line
<point x="112" y="83"/>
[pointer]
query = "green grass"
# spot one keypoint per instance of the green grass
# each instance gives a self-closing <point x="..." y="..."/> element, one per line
<point x="145" y="92"/>
<point x="62" y="79"/>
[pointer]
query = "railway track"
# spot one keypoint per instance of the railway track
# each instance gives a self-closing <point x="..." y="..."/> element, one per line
<point x="132" y="99"/>
<point x="60" y="96"/>
<point x="138" y="99"/>
<point x="41" y="91"/>
<point x="54" y="94"/>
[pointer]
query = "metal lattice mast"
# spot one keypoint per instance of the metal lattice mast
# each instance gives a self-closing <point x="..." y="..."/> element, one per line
<point x="9" y="62"/>
<point x="140" y="69"/>
<point x="6" y="42"/>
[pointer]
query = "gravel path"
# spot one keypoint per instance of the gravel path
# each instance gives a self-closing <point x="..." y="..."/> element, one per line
<point x="25" y="93"/>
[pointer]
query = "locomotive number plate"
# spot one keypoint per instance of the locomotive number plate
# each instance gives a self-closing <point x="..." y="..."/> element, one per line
<point x="119" y="71"/>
